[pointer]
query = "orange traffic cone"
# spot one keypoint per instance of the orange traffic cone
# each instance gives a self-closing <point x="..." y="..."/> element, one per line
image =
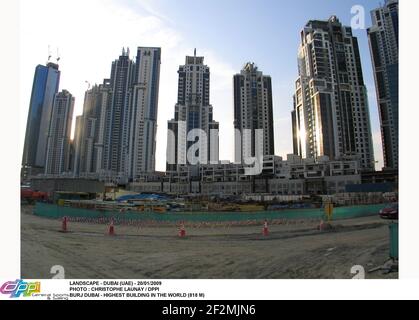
<point x="182" y="231"/>
<point x="265" y="229"/>
<point x="111" y="229"/>
<point x="64" y="225"/>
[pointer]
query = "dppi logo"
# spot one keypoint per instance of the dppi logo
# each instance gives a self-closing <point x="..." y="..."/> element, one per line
<point x="20" y="287"/>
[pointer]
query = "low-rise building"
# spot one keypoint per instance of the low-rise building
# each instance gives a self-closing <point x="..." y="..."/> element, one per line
<point x="293" y="176"/>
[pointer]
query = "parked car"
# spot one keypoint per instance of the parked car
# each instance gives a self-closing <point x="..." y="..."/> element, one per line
<point x="391" y="212"/>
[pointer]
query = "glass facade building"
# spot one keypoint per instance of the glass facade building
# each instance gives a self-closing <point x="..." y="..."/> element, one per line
<point x="45" y="86"/>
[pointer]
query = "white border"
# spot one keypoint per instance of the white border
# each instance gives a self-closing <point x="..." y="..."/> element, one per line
<point x="320" y="289"/>
<point x="9" y="133"/>
<point x="409" y="152"/>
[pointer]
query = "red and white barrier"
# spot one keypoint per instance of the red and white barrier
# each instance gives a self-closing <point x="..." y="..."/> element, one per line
<point x="266" y="229"/>
<point x="64" y="225"/>
<point x="182" y="231"/>
<point x="111" y="231"/>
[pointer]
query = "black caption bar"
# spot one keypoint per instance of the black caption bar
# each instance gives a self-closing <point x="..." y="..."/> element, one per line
<point x="172" y="310"/>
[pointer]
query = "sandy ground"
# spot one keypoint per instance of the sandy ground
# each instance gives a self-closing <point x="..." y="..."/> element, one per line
<point x="289" y="252"/>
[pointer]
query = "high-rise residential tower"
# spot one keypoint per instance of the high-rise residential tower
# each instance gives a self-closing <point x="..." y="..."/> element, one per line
<point x="45" y="86"/>
<point x="331" y="112"/>
<point x="77" y="143"/>
<point x="144" y="99"/>
<point x="193" y="126"/>
<point x="59" y="138"/>
<point x="89" y="130"/>
<point x="384" y="46"/>
<point x="253" y="110"/>
<point x="116" y="140"/>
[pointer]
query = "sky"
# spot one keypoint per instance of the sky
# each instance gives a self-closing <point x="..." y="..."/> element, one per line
<point x="90" y="34"/>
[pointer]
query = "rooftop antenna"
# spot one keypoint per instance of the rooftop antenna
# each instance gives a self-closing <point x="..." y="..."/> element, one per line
<point x="195" y="52"/>
<point x="58" y="55"/>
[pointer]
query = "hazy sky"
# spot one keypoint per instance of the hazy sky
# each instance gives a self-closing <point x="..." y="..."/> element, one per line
<point x="90" y="34"/>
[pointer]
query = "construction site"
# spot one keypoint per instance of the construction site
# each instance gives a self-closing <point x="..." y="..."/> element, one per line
<point x="126" y="235"/>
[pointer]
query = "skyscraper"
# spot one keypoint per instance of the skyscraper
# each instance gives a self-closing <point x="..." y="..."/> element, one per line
<point x="115" y="150"/>
<point x="104" y="124"/>
<point x="45" y="86"/>
<point x="58" y="151"/>
<point x="253" y="109"/>
<point x="144" y="99"/>
<point x="384" y="46"/>
<point x="116" y="135"/>
<point x="88" y="141"/>
<point x="331" y="112"/>
<point x="78" y="142"/>
<point x="193" y="126"/>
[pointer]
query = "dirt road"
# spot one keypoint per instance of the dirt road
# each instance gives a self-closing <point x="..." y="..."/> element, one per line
<point x="289" y="252"/>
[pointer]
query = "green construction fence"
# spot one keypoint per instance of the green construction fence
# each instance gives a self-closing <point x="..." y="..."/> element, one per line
<point x="56" y="212"/>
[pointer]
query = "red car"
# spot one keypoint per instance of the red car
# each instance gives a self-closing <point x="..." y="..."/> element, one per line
<point x="391" y="212"/>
